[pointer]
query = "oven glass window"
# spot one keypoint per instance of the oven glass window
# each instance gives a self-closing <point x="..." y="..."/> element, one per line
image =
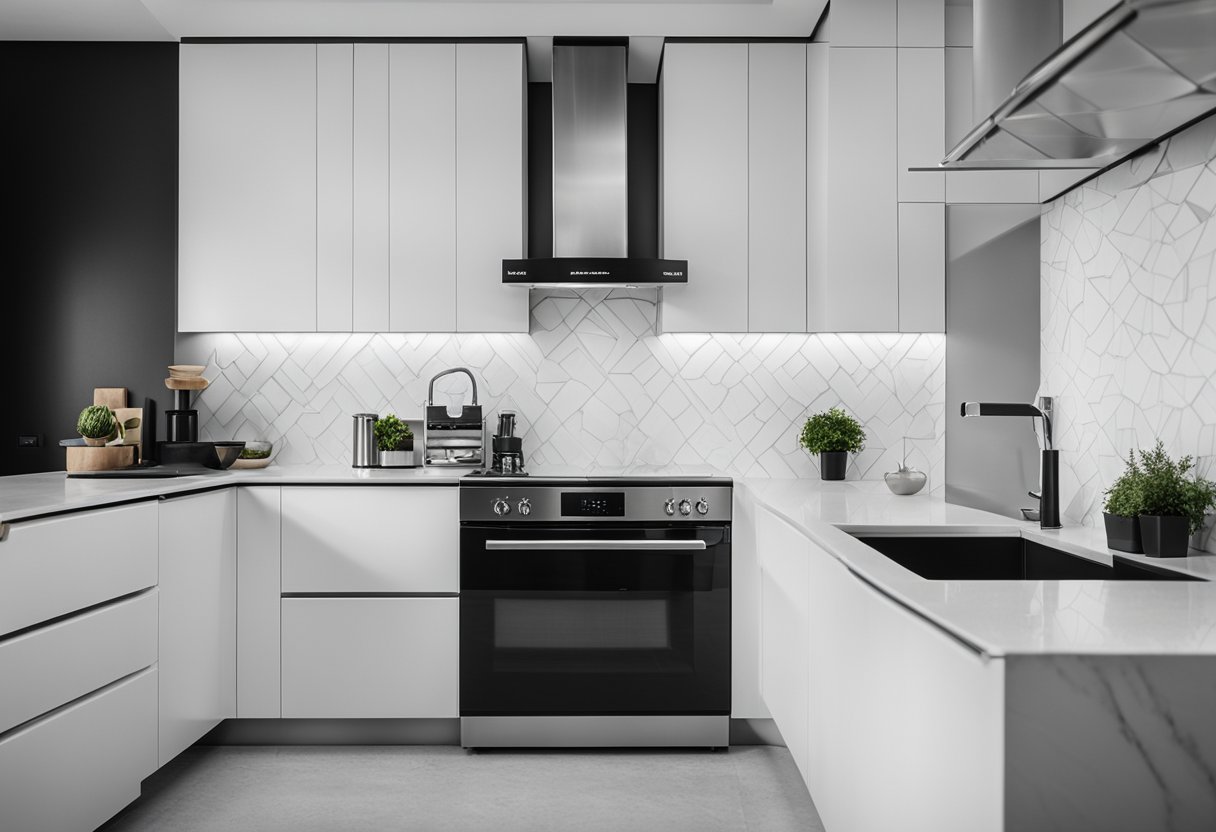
<point x="593" y="624"/>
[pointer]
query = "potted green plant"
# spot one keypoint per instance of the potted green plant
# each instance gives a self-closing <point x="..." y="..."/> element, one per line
<point x="1172" y="504"/>
<point x="97" y="425"/>
<point x="395" y="441"/>
<point x="1121" y="511"/>
<point x="833" y="435"/>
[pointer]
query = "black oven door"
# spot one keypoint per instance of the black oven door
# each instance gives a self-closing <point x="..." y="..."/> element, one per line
<point x="594" y="620"/>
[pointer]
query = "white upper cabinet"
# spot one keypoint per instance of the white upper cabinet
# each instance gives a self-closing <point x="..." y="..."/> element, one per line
<point x="342" y="187"/>
<point x="860" y="292"/>
<point x="704" y="158"/>
<point x="335" y="187"/>
<point x="777" y="188"/>
<point x="422" y="187"/>
<point x="920" y="23"/>
<point x="371" y="187"/>
<point x="863" y="23"/>
<point x="922" y="267"/>
<point x="247" y="202"/>
<point x="921" y="116"/>
<point x="491" y="175"/>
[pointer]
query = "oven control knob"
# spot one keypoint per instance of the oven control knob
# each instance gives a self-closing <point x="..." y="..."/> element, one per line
<point x="670" y="507"/>
<point x="501" y="507"/>
<point x="685" y="507"/>
<point x="525" y="506"/>
<point x="702" y="506"/>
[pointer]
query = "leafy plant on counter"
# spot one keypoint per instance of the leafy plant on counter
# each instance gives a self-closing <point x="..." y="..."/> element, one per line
<point x="392" y="434"/>
<point x="96" y="422"/>
<point x="1165" y="489"/>
<point x="832" y="430"/>
<point x="1123" y="498"/>
<point x="251" y="453"/>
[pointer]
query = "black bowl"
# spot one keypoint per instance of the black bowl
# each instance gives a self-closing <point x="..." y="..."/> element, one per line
<point x="217" y="455"/>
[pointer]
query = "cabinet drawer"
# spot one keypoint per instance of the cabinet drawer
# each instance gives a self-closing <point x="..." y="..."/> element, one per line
<point x="371" y="657"/>
<point x="75" y="769"/>
<point x="62" y="564"/>
<point x="371" y="539"/>
<point x="53" y="665"/>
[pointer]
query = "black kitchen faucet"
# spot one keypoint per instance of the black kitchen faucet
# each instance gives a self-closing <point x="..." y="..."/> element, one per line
<point x="1049" y="484"/>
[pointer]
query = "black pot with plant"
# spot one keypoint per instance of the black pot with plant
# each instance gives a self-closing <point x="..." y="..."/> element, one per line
<point x="833" y="435"/>
<point x="395" y="441"/>
<point x="1121" y="511"/>
<point x="1172" y="504"/>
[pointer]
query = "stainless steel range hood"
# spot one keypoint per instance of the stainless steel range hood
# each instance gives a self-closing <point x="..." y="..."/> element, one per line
<point x="1141" y="72"/>
<point x="590" y="181"/>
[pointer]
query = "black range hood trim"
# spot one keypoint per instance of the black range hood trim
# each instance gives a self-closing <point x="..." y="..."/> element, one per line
<point x="602" y="272"/>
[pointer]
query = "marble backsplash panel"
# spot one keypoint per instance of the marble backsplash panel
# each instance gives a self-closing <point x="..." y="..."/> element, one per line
<point x="593" y="386"/>
<point x="1128" y="283"/>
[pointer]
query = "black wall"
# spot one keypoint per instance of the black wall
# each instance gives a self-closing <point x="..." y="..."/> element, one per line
<point x="88" y="204"/>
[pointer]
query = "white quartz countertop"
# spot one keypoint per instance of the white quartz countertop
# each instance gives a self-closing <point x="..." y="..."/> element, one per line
<point x="33" y="495"/>
<point x="1002" y="618"/>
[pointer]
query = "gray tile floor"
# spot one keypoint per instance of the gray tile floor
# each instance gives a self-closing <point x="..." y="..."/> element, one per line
<point x="357" y="788"/>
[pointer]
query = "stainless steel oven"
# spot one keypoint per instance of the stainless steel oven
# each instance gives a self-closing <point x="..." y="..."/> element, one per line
<point x="595" y="612"/>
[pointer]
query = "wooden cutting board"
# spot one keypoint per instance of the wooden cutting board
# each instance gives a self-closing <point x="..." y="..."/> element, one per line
<point x="84" y="458"/>
<point x="111" y="397"/>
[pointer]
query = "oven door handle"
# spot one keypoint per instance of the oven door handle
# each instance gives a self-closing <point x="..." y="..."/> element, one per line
<point x="595" y="545"/>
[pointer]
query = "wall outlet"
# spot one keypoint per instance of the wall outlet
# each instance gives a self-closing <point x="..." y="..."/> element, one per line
<point x="29" y="440"/>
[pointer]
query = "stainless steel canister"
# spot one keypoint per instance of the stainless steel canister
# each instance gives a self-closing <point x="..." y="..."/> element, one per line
<point x="365" y="455"/>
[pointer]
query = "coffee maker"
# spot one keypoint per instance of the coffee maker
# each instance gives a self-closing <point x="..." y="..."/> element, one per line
<point x="508" y="450"/>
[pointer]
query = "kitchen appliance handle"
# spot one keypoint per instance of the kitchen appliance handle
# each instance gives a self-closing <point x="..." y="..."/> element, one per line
<point x="596" y="545"/>
<point x="430" y="390"/>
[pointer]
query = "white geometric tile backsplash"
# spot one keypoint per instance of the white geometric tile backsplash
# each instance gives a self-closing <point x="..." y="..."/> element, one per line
<point x="1129" y="316"/>
<point x="593" y="387"/>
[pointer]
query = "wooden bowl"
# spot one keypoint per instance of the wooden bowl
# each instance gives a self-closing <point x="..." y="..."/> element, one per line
<point x="186" y="370"/>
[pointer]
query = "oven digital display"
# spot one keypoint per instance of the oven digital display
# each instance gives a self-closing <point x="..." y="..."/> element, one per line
<point x="599" y="504"/>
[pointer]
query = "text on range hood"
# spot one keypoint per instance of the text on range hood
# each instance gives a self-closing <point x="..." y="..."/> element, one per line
<point x="590" y="181"/>
<point x="1138" y="74"/>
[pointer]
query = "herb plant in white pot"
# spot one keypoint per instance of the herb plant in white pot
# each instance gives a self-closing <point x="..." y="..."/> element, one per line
<point x="395" y="441"/>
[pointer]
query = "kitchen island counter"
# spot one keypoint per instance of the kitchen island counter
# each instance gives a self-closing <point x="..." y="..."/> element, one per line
<point x="1001" y="618"/>
<point x="994" y="706"/>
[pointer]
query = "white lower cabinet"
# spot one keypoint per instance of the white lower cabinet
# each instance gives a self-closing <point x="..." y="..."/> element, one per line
<point x="784" y="629"/>
<point x="865" y="692"/>
<point x="258" y="564"/>
<point x="56" y="664"/>
<point x="371" y="539"/>
<point x="197" y="617"/>
<point x="75" y="768"/>
<point x="108" y="553"/>
<point x="371" y="657"/>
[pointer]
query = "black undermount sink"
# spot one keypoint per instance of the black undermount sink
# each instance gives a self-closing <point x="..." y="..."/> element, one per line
<point x="1006" y="559"/>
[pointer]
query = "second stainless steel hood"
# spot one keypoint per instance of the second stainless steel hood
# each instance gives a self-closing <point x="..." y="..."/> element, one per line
<point x="590" y="181"/>
<point x="1139" y="73"/>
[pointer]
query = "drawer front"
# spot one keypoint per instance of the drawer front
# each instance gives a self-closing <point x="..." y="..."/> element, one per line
<point x="371" y="657"/>
<point x="371" y="539"/>
<point x="58" y="565"/>
<point x="53" y="665"/>
<point x="75" y="769"/>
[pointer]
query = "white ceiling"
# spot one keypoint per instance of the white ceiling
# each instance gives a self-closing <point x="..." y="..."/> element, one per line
<point x="175" y="19"/>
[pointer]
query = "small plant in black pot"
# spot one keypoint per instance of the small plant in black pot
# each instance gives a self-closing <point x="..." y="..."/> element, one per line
<point x="833" y="435"/>
<point x="1121" y="511"/>
<point x="395" y="441"/>
<point x="1172" y="504"/>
